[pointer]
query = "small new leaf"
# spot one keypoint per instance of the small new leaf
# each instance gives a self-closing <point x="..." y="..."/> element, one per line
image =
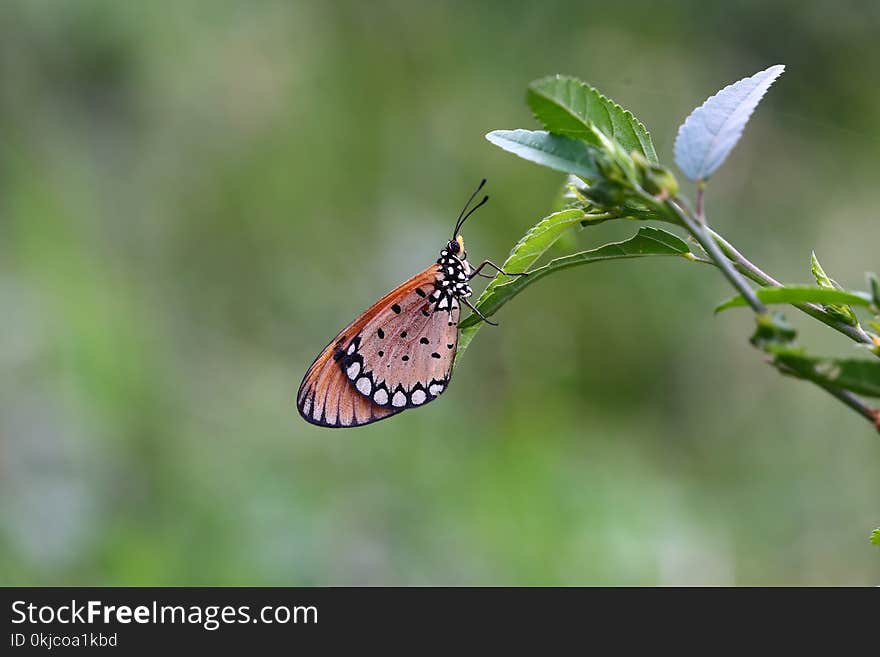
<point x="711" y="131"/>
<point x="822" y="279"/>
<point x="567" y="106"/>
<point x="553" y="151"/>
<point x="799" y="294"/>
<point x="842" y="313"/>
<point x="875" y="536"/>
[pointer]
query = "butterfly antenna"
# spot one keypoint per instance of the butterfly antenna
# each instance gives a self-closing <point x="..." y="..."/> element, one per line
<point x="462" y="216"/>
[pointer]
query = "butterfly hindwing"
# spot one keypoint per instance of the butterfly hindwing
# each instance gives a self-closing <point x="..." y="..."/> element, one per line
<point x="403" y="357"/>
<point x="326" y="399"/>
<point x="329" y="397"/>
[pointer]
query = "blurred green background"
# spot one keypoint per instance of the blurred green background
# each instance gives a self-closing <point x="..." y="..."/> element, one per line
<point x="195" y="197"/>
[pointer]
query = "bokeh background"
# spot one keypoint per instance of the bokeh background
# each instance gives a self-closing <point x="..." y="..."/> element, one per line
<point x="195" y="197"/>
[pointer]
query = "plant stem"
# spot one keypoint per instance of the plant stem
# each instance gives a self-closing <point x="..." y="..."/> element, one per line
<point x="701" y="189"/>
<point x="848" y="398"/>
<point x="856" y="333"/>
<point x="701" y="233"/>
<point x="725" y="256"/>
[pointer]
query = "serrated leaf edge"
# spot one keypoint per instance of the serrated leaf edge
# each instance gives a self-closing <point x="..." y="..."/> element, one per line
<point x="606" y="101"/>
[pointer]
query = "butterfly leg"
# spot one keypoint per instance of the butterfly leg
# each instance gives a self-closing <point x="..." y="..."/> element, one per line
<point x="477" y="312"/>
<point x="476" y="272"/>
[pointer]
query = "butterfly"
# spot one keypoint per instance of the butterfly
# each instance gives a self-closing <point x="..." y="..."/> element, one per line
<point x="398" y="354"/>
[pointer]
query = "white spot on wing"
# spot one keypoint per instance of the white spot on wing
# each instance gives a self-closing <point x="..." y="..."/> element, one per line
<point x="418" y="396"/>
<point x="364" y="385"/>
<point x="380" y="396"/>
<point x="435" y="389"/>
<point x="443" y="303"/>
<point x="399" y="399"/>
<point x="353" y="370"/>
<point x="351" y="348"/>
<point x="307" y="406"/>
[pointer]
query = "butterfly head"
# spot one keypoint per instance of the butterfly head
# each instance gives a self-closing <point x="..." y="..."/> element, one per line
<point x="456" y="248"/>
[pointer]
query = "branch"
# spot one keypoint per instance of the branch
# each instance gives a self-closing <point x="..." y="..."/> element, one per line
<point x="856" y="333"/>
<point x="845" y="396"/>
<point x="851" y="400"/>
<point x="700" y="231"/>
<point x="724" y="255"/>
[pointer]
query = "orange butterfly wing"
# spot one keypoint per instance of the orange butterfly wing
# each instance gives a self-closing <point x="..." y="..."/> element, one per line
<point x="398" y="354"/>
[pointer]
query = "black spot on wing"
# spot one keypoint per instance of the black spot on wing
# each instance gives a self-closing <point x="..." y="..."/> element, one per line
<point x="396" y="308"/>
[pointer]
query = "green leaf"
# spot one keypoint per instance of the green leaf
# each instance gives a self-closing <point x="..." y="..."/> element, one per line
<point x="568" y="106"/>
<point x="875" y="536"/>
<point x="553" y="151"/>
<point x="859" y="376"/>
<point x="534" y="244"/>
<point x="648" y="241"/>
<point x="843" y="313"/>
<point x="523" y="255"/>
<point x="799" y="294"/>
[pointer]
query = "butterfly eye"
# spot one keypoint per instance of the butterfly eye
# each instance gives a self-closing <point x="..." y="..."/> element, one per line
<point x="453" y="246"/>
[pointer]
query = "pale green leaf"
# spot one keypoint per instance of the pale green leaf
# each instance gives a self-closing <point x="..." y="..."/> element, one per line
<point x="799" y="294"/>
<point x="553" y="151"/>
<point x="711" y="131"/>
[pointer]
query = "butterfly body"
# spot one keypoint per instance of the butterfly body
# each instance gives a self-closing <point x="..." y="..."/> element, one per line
<point x="396" y="355"/>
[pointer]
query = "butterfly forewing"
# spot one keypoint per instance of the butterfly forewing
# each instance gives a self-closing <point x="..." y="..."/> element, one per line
<point x="403" y="357"/>
<point x="398" y="354"/>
